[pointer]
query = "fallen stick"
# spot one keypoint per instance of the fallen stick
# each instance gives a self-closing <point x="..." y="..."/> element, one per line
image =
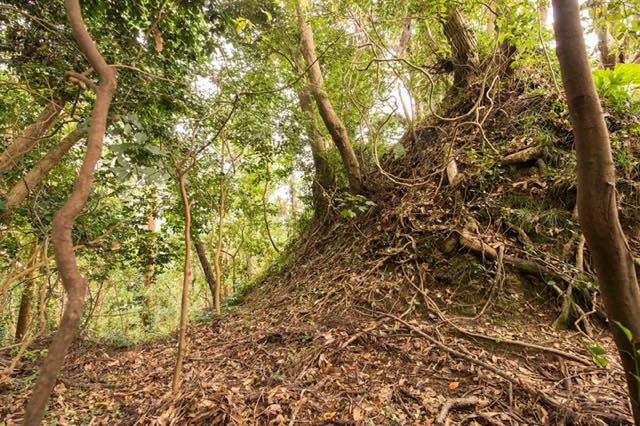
<point x="455" y="403"/>
<point x="525" y="155"/>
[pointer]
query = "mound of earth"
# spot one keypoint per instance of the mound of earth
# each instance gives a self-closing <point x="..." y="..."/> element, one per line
<point x="443" y="303"/>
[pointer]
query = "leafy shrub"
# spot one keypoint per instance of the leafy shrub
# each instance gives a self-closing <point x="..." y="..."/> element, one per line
<point x="619" y="88"/>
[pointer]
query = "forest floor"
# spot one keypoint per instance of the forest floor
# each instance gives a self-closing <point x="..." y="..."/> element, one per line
<point x="276" y="362"/>
<point x="432" y="303"/>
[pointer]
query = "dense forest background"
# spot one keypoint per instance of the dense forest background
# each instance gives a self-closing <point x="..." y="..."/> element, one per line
<point x="319" y="211"/>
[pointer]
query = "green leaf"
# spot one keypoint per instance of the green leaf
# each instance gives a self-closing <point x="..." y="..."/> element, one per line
<point x="398" y="150"/>
<point x="269" y="17"/>
<point x="119" y="148"/>
<point x="347" y="213"/>
<point x="153" y="149"/>
<point x="625" y="330"/>
<point x="140" y="137"/>
<point x="597" y="355"/>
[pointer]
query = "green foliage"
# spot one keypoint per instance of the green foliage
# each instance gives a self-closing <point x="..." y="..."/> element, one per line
<point x="350" y="205"/>
<point x="598" y="356"/>
<point x="619" y="88"/>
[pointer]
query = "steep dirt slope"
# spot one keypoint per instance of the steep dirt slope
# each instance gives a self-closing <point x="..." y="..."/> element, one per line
<point x="436" y="305"/>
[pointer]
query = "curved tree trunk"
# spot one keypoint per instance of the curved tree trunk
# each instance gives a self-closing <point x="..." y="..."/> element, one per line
<point x="334" y="125"/>
<point x="206" y="267"/>
<point x="31" y="135"/>
<point x="184" y="312"/>
<point x="463" y="47"/>
<point x="21" y="189"/>
<point x="597" y="204"/>
<point x="63" y="221"/>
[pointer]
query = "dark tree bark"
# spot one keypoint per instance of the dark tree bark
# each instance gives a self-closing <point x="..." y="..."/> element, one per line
<point x="26" y="300"/>
<point x="31" y="135"/>
<point x="334" y="124"/>
<point x="32" y="179"/>
<point x="463" y="47"/>
<point x="206" y="267"/>
<point x="63" y="221"/>
<point x="597" y="204"/>
<point x="25" y="309"/>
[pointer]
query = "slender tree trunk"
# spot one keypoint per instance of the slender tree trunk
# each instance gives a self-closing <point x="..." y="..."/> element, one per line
<point x="32" y="179"/>
<point x="184" y="303"/>
<point x="265" y="196"/>
<point x="225" y="284"/>
<point x="26" y="300"/>
<point x="250" y="267"/>
<point x="597" y="205"/>
<point x="293" y="193"/>
<point x="31" y="135"/>
<point x="221" y="210"/>
<point x="463" y="47"/>
<point x="206" y="267"/>
<point x="334" y="125"/>
<point x="543" y="12"/>
<point x="149" y="268"/>
<point x="607" y="57"/>
<point x="63" y="221"/>
<point x="44" y="285"/>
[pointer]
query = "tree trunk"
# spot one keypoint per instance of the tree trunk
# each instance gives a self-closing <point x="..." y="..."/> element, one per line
<point x="216" y="259"/>
<point x="463" y="47"/>
<point x="21" y="189"/>
<point x="184" y="303"/>
<point x="324" y="179"/>
<point x="26" y="300"/>
<point x="334" y="125"/>
<point x="597" y="205"/>
<point x="543" y="12"/>
<point x="149" y="268"/>
<point x="63" y="221"/>
<point x="607" y="57"/>
<point x="206" y="267"/>
<point x="31" y="135"/>
<point x="44" y="286"/>
<point x="250" y="271"/>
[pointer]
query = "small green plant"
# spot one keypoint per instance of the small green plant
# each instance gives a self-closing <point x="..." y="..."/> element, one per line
<point x="636" y="352"/>
<point x="350" y="205"/>
<point x="620" y="87"/>
<point x="32" y="355"/>
<point x="598" y="356"/>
